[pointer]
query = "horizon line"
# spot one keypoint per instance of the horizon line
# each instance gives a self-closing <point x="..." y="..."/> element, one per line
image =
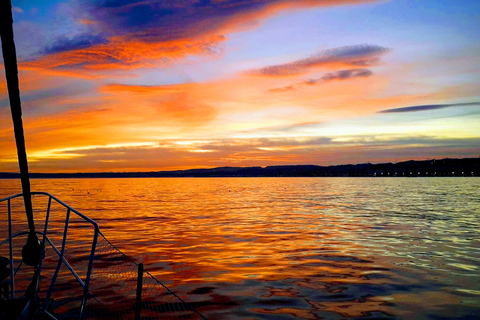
<point x="232" y="167"/>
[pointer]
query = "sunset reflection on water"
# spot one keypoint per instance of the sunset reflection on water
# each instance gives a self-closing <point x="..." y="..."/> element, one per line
<point x="285" y="248"/>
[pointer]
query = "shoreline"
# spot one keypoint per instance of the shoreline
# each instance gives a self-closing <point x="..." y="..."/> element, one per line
<point x="466" y="167"/>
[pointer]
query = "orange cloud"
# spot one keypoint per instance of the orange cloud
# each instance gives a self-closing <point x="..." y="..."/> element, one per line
<point x="156" y="90"/>
<point x="121" y="53"/>
<point x="172" y="102"/>
<point x="86" y="21"/>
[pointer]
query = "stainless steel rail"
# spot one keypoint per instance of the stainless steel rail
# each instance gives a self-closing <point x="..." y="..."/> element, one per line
<point x="103" y="252"/>
<point x="60" y="253"/>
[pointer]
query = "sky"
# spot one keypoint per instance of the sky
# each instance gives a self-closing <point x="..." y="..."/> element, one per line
<point x="146" y="85"/>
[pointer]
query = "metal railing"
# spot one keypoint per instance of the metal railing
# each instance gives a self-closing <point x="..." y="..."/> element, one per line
<point x="108" y="282"/>
<point x="60" y="253"/>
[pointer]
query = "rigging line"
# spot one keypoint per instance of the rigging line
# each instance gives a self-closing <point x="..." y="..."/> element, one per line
<point x="11" y="74"/>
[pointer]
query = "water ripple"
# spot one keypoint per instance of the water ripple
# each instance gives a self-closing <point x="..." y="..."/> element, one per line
<point x="287" y="248"/>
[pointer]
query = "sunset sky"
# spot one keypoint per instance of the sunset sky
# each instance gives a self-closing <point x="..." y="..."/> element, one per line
<point x="164" y="85"/>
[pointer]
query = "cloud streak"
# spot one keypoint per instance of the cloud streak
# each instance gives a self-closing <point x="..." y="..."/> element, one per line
<point x="331" y="76"/>
<point x="118" y="54"/>
<point x="356" y="56"/>
<point x="428" y="107"/>
<point x="342" y="75"/>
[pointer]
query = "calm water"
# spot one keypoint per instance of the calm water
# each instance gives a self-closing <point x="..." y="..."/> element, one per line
<point x="285" y="248"/>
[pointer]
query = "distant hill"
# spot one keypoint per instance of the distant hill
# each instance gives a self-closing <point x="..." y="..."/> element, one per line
<point x="427" y="168"/>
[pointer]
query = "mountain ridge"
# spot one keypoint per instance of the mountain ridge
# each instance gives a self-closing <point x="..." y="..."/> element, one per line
<point x="411" y="168"/>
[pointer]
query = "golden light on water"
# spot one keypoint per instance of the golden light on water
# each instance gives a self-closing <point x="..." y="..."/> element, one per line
<point x="307" y="247"/>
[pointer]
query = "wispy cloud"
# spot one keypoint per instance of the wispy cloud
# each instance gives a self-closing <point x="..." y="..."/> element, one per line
<point x="157" y="90"/>
<point x="118" y="54"/>
<point x="342" y="75"/>
<point x="427" y="107"/>
<point x="172" y="103"/>
<point x="359" y="56"/>
<point x="331" y="76"/>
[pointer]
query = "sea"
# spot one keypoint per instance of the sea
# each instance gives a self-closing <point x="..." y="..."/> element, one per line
<point x="295" y="248"/>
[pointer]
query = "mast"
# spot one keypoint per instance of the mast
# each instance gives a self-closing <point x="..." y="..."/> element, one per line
<point x="11" y="73"/>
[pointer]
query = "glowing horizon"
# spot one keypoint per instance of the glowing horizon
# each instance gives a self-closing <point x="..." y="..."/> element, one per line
<point x="150" y="86"/>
